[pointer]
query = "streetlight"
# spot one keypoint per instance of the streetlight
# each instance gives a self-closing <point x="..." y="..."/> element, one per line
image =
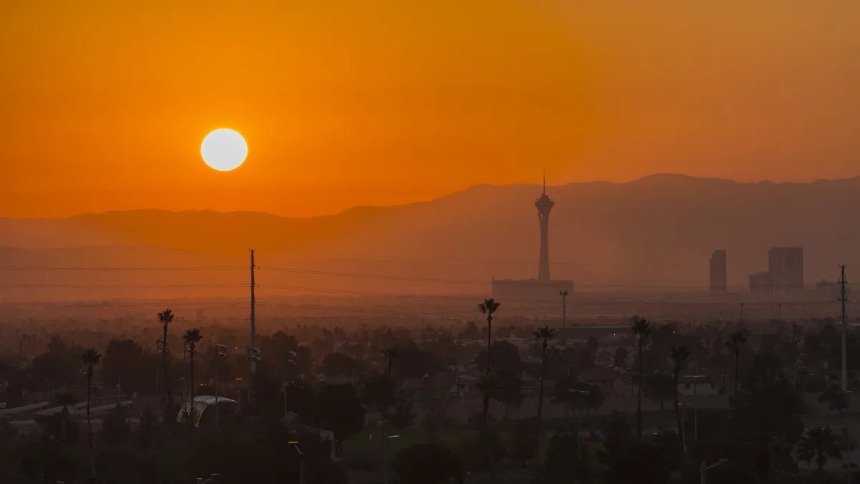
<point x="702" y="469"/>
<point x="695" y="424"/>
<point x="221" y="351"/>
<point x="295" y="444"/>
<point x="385" y="458"/>
<point x="291" y="361"/>
<point x="578" y="393"/>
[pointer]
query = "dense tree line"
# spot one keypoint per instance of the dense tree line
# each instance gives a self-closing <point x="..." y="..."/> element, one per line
<point x="353" y="384"/>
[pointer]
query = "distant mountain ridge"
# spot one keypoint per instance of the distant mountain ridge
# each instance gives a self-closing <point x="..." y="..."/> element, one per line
<point x="658" y="230"/>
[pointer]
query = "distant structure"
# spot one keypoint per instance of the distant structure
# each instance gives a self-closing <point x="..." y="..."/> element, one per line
<point x="718" y="271"/>
<point x="544" y="206"/>
<point x="543" y="289"/>
<point x="784" y="271"/>
<point x="785" y="265"/>
<point x="760" y="282"/>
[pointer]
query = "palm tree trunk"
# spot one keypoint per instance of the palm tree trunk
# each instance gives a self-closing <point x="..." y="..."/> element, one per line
<point x="166" y="375"/>
<point x="90" y="421"/>
<point x="390" y="361"/>
<point x="191" y="378"/>
<point x="489" y="338"/>
<point x="487" y="396"/>
<point x="677" y="407"/>
<point x="540" y="403"/>
<point x="489" y="362"/>
<point x="639" y="398"/>
<point x="89" y="395"/>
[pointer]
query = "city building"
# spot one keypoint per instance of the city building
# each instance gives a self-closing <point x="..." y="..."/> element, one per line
<point x="830" y="291"/>
<point x="784" y="271"/>
<point x="544" y="289"/>
<point x="785" y="265"/>
<point x="718" y="271"/>
<point x="760" y="282"/>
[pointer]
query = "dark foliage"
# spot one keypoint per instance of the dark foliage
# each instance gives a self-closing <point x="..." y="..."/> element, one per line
<point x="427" y="464"/>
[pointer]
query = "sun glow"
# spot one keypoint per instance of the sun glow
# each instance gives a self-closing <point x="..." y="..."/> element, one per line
<point x="224" y="149"/>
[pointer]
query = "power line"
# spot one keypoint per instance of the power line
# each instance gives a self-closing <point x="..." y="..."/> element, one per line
<point x="119" y="269"/>
<point x="373" y="276"/>
<point x="90" y="304"/>
<point x="116" y="286"/>
<point x="348" y="274"/>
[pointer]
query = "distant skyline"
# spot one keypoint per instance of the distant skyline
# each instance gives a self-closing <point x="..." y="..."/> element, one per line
<point x="105" y="104"/>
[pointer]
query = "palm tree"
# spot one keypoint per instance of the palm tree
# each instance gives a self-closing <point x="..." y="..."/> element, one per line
<point x="488" y="307"/>
<point x="165" y="318"/>
<point x="489" y="386"/>
<point x="642" y="329"/>
<point x="544" y="335"/>
<point x="679" y="356"/>
<point x="65" y="399"/>
<point x="818" y="444"/>
<point x="735" y="344"/>
<point x="90" y="358"/>
<point x="390" y="354"/>
<point x="191" y="338"/>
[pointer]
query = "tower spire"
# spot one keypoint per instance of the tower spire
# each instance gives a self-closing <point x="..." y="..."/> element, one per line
<point x="544" y="206"/>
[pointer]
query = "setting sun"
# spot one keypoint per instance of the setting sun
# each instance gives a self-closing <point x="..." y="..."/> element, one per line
<point x="224" y="149"/>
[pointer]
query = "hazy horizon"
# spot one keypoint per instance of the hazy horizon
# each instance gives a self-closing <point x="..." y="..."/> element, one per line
<point x="550" y="186"/>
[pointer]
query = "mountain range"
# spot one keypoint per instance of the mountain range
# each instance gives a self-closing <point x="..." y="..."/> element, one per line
<point x="655" y="232"/>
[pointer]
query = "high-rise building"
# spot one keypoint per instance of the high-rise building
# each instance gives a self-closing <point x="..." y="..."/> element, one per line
<point x="544" y="206"/>
<point x="718" y="270"/>
<point x="785" y="266"/>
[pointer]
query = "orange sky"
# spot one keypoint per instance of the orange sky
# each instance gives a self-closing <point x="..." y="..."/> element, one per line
<point x="103" y="104"/>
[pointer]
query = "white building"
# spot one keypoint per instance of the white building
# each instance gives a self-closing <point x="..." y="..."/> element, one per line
<point x="697" y="385"/>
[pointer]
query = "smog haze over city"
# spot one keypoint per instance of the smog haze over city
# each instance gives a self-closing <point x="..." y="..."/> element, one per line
<point x="523" y="242"/>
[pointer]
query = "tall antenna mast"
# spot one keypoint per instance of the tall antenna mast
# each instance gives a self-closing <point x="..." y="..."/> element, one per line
<point x="842" y="299"/>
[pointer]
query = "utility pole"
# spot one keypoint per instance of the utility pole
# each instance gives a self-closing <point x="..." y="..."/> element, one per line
<point x="563" y="295"/>
<point x="779" y="311"/>
<point x="253" y="351"/>
<point x="253" y="318"/>
<point x="742" y="313"/>
<point x="842" y="299"/>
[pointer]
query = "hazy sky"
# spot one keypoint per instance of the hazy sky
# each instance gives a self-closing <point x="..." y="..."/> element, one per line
<point x="103" y="104"/>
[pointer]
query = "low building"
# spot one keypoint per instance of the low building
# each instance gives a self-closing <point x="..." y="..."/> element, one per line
<point x="204" y="410"/>
<point x="465" y="386"/>
<point x="760" y="282"/>
<point x="607" y="378"/>
<point x="697" y="386"/>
